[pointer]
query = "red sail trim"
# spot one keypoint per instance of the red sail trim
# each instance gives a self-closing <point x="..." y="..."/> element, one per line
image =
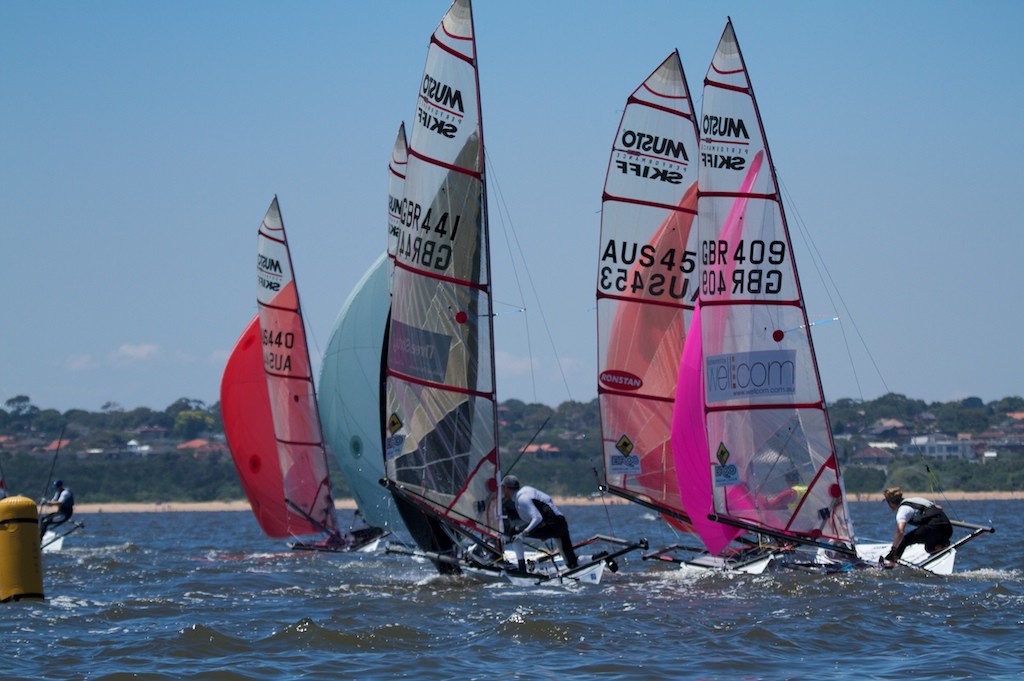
<point x="665" y="109"/>
<point x="455" y="53"/>
<point x="653" y="204"/>
<point x="631" y="299"/>
<point x="788" y="406"/>
<point x="630" y="152"/>
<point x="743" y="195"/>
<point x="279" y="308"/>
<point x="632" y="99"/>
<point x="633" y="394"/>
<point x="750" y="301"/>
<point x="485" y="288"/>
<point x="264" y="232"/>
<point x="439" y="386"/>
<point x="725" y="86"/>
<point x="447" y="166"/>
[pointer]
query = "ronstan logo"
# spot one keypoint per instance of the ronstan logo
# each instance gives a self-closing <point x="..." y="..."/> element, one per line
<point x="622" y="380"/>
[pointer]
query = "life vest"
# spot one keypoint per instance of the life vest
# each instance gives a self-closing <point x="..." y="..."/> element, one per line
<point x="925" y="514"/>
<point x="546" y="512"/>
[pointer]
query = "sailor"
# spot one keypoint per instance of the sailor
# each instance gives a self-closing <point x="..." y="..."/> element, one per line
<point x="64" y="500"/>
<point x="543" y="519"/>
<point x="931" y="526"/>
<point x="787" y="499"/>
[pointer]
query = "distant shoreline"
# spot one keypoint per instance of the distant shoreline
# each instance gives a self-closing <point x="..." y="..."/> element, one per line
<point x="349" y="504"/>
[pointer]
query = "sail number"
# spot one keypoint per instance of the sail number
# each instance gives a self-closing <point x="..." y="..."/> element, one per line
<point x="624" y="266"/>
<point x="274" y="358"/>
<point x="426" y="239"/>
<point x="278" y="339"/>
<point x="752" y="262"/>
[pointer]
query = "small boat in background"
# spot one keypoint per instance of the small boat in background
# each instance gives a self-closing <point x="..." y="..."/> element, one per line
<point x="269" y="409"/>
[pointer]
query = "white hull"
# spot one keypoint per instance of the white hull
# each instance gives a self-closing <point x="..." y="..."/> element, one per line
<point x="51" y="543"/>
<point x="542" y="569"/>
<point x="709" y="563"/>
<point x="940" y="564"/>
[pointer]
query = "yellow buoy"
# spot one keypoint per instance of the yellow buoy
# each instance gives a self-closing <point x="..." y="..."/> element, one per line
<point x="21" y="562"/>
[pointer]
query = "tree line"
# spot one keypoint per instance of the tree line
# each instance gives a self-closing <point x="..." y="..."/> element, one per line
<point x="570" y="464"/>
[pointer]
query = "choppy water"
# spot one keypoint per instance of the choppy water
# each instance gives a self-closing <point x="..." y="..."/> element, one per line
<point x="206" y="595"/>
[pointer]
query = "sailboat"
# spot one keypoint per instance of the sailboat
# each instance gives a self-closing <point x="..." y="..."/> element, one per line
<point x="269" y="409"/>
<point x="762" y="459"/>
<point x="350" y="374"/>
<point x="752" y="439"/>
<point x="646" y="290"/>
<point x="440" y="411"/>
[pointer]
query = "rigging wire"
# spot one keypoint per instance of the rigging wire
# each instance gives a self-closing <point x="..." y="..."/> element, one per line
<point x="514" y="247"/>
<point x="604" y="503"/>
<point x="830" y="287"/>
<point x="933" y="482"/>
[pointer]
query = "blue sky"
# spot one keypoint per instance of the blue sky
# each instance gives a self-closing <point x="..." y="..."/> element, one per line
<point x="141" y="143"/>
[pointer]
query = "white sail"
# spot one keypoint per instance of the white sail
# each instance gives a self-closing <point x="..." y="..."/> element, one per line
<point x="646" y="285"/>
<point x="440" y="410"/>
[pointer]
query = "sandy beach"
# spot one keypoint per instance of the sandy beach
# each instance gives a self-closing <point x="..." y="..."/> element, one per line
<point x="349" y="504"/>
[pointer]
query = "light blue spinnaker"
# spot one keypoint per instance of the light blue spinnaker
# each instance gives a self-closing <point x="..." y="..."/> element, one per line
<point x="350" y="388"/>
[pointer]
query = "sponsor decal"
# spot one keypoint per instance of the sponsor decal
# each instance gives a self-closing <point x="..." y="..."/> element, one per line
<point x="444" y="107"/>
<point x="624" y="445"/>
<point x="724" y="126"/>
<point x="649" y="172"/>
<point x="625" y="462"/>
<point x="394" y="423"/>
<point x="764" y="373"/>
<point x="655" y="144"/>
<point x="442" y="94"/>
<point x="269" y="265"/>
<point x="418" y="352"/>
<point x="393" y="446"/>
<point x="266" y="268"/>
<point x="726" y="474"/>
<point x="722" y="454"/>
<point x="621" y="380"/>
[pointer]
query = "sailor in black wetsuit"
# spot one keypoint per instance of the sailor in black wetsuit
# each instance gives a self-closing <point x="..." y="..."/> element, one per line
<point x="543" y="519"/>
<point x="930" y="525"/>
<point x="64" y="500"/>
